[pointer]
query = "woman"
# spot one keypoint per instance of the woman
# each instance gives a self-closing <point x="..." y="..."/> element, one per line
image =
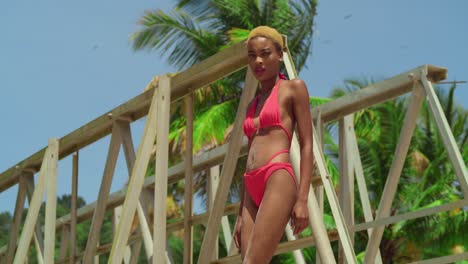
<point x="271" y="195"/>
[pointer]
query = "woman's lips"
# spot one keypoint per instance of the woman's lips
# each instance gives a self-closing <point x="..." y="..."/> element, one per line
<point x="259" y="71"/>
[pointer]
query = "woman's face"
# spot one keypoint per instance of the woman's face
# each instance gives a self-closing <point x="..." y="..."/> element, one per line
<point x="264" y="58"/>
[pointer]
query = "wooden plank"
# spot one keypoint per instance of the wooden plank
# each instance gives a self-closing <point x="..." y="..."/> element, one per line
<point x="315" y="217"/>
<point x="363" y="193"/>
<point x="375" y="93"/>
<point x="334" y="205"/>
<point x="229" y="165"/>
<point x="215" y="67"/>
<point x="51" y="202"/>
<point x="188" y="187"/>
<point x="37" y="237"/>
<point x="64" y="242"/>
<point x="446" y="134"/>
<point x="398" y="162"/>
<point x="212" y="178"/>
<point x="346" y="182"/>
<point x="19" y="206"/>
<point x="283" y="247"/>
<point x="411" y="215"/>
<point x="33" y="212"/>
<point x="106" y="182"/>
<point x="162" y="164"/>
<point x="318" y="190"/>
<point x="135" y="184"/>
<point x="74" y="205"/>
<point x="297" y="254"/>
<point x="142" y="211"/>
<point x="445" y="259"/>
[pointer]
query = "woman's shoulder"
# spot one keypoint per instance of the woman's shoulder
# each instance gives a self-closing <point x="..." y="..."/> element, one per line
<point x="297" y="87"/>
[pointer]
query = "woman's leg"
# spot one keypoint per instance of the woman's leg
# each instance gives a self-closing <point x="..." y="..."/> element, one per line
<point x="249" y="212"/>
<point x="272" y="216"/>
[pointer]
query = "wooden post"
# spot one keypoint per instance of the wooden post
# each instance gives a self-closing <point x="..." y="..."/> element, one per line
<point x="391" y="185"/>
<point x="315" y="216"/>
<point x="21" y="196"/>
<point x="142" y="208"/>
<point x="163" y="101"/>
<point x="51" y="203"/>
<point x="106" y="182"/>
<point x="64" y="242"/>
<point x="346" y="183"/>
<point x="229" y="165"/>
<point x="37" y="237"/>
<point x="297" y="254"/>
<point x="74" y="205"/>
<point x="35" y="204"/>
<point x="319" y="189"/>
<point x="446" y="134"/>
<point x="188" y="193"/>
<point x="116" y="220"/>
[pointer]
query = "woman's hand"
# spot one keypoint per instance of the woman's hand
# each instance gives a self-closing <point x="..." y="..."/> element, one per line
<point x="237" y="232"/>
<point x="299" y="217"/>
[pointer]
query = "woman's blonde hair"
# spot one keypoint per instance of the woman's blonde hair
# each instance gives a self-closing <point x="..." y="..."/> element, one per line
<point x="267" y="32"/>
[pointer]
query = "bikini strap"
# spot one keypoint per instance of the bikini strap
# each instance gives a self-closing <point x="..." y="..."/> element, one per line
<point x="278" y="153"/>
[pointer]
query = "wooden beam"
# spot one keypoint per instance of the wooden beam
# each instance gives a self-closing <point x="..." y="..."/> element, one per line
<point x="411" y="215"/>
<point x="393" y="178"/>
<point x="363" y="193"/>
<point x="33" y="210"/>
<point x="346" y="182"/>
<point x="227" y="173"/>
<point x="106" y="182"/>
<point x="215" y="67"/>
<point x="318" y="188"/>
<point x="162" y="164"/>
<point x="19" y="206"/>
<point x="446" y="134"/>
<point x="64" y="242"/>
<point x="334" y="205"/>
<point x="37" y="237"/>
<point x="282" y="247"/>
<point x="74" y="205"/>
<point x="188" y="187"/>
<point x="51" y="202"/>
<point x="142" y="208"/>
<point x="376" y="93"/>
<point x="445" y="259"/>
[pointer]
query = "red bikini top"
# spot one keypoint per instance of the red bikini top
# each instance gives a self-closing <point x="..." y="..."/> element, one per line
<point x="269" y="115"/>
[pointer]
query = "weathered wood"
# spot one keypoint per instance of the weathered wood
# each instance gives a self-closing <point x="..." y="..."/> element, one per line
<point x="64" y="242"/>
<point x="283" y="247"/>
<point x="215" y="67"/>
<point x="33" y="210"/>
<point x="188" y="187"/>
<point x="361" y="182"/>
<point x="106" y="182"/>
<point x="227" y="173"/>
<point x="411" y="215"/>
<point x="446" y="134"/>
<point x="51" y="202"/>
<point x="315" y="217"/>
<point x="376" y="93"/>
<point x="142" y="208"/>
<point x="37" y="237"/>
<point x="334" y="205"/>
<point x="19" y="206"/>
<point x="162" y="164"/>
<point x="74" y="206"/>
<point x="445" y="259"/>
<point x="346" y="183"/>
<point x="391" y="184"/>
<point x="318" y="190"/>
<point x="297" y="254"/>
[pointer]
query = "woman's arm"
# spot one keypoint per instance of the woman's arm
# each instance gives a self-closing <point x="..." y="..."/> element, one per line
<point x="302" y="115"/>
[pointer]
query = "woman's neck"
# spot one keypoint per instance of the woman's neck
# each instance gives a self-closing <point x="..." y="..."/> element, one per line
<point x="267" y="85"/>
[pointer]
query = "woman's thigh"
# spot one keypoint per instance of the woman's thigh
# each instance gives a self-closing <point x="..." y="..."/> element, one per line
<point x="272" y="216"/>
<point x="249" y="213"/>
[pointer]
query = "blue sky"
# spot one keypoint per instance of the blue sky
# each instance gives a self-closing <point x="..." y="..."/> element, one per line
<point x="64" y="63"/>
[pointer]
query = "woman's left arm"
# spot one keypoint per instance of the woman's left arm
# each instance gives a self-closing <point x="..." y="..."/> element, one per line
<point x="301" y="108"/>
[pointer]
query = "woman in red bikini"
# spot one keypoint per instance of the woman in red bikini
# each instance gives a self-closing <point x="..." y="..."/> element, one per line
<point x="271" y="195"/>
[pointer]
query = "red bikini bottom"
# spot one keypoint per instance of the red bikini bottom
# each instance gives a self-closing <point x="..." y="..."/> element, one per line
<point x="255" y="180"/>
